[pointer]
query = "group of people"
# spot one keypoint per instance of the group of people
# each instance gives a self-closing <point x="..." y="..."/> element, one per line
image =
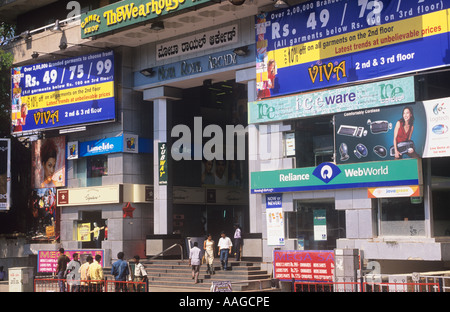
<point x="89" y="276"/>
<point x="224" y="246"/>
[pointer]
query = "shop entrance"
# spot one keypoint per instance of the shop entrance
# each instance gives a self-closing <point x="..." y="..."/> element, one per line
<point x="93" y="221"/>
<point x="316" y="224"/>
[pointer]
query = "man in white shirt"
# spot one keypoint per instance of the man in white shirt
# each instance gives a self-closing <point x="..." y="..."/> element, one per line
<point x="140" y="274"/>
<point x="225" y="246"/>
<point x="195" y="257"/>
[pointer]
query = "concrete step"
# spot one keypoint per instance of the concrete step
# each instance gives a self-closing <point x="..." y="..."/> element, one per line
<point x="177" y="275"/>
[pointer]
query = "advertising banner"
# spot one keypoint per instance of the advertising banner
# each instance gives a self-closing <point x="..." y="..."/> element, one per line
<point x="328" y="43"/>
<point x="330" y="176"/>
<point x="415" y="130"/>
<point x="48" y="259"/>
<point x="5" y="174"/>
<point x="303" y="265"/>
<point x="63" y="93"/>
<point x="384" y="93"/>
<point x="48" y="163"/>
<point x="126" y="13"/>
<point x="275" y="227"/>
<point x="162" y="155"/>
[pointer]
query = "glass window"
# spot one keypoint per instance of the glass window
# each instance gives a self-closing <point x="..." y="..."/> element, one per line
<point x="97" y="167"/>
<point x="313" y="141"/>
<point x="316" y="224"/>
<point x="402" y="217"/>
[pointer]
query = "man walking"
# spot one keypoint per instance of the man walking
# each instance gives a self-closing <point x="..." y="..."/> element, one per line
<point x="195" y="261"/>
<point x="73" y="274"/>
<point x="225" y="246"/>
<point x="120" y="272"/>
<point x="96" y="274"/>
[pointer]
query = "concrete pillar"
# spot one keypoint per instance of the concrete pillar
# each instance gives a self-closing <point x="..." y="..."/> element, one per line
<point x="161" y="97"/>
<point x="346" y="266"/>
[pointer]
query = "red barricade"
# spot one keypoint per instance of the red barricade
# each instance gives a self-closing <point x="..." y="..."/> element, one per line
<point x="59" y="285"/>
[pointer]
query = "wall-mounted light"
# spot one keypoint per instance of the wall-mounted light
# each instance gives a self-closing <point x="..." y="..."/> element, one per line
<point x="148" y="72"/>
<point x="56" y="28"/>
<point x="241" y="51"/>
<point x="157" y="26"/>
<point x="281" y="4"/>
<point x="63" y="45"/>
<point x="25" y="35"/>
<point x="35" y="55"/>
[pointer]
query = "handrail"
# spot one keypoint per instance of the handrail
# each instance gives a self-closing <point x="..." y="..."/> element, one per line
<point x="167" y="249"/>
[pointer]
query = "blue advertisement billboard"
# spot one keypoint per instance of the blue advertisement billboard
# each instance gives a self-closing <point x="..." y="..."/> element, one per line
<point x="319" y="44"/>
<point x="63" y="93"/>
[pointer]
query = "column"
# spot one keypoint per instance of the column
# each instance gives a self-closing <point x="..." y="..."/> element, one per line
<point x="162" y="210"/>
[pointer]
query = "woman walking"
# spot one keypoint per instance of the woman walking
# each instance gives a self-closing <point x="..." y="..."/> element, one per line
<point x="208" y="246"/>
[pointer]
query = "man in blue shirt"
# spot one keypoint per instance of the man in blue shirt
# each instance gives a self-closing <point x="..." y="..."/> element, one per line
<point x="120" y="272"/>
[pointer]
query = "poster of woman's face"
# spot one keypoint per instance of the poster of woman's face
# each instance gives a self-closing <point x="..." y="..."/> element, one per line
<point x="48" y="163"/>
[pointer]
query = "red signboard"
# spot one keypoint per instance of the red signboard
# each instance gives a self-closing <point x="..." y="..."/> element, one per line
<point x="48" y="260"/>
<point x="303" y="265"/>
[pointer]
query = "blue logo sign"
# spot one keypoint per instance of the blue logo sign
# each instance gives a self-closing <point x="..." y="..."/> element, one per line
<point x="326" y="172"/>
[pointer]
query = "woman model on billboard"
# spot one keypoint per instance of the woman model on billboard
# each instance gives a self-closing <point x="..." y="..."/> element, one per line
<point x="403" y="132"/>
<point x="48" y="160"/>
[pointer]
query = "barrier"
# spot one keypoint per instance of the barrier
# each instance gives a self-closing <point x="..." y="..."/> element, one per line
<point x="366" y="287"/>
<point x="61" y="285"/>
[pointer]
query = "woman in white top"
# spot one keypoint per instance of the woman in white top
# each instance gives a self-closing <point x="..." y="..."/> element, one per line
<point x="208" y="246"/>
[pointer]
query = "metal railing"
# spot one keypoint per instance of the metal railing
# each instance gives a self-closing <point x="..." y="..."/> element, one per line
<point x="61" y="285"/>
<point x="167" y="249"/>
<point x="386" y="283"/>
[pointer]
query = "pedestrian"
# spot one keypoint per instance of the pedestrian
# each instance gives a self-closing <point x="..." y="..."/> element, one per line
<point x="61" y="267"/>
<point x="140" y="274"/>
<point x="237" y="242"/>
<point x="195" y="257"/>
<point x="208" y="247"/>
<point x="120" y="272"/>
<point x="225" y="246"/>
<point x="96" y="274"/>
<point x="84" y="274"/>
<point x="73" y="275"/>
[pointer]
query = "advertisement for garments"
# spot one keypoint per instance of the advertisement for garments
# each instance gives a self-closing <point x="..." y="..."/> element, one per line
<point x="329" y="43"/>
<point x="63" y="93"/>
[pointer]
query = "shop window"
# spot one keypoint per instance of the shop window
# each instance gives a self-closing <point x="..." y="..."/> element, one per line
<point x="316" y="224"/>
<point x="313" y="141"/>
<point x="440" y="179"/>
<point x="97" y="167"/>
<point x="402" y="217"/>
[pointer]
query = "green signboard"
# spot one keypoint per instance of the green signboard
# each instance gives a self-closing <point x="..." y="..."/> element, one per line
<point x="126" y="13"/>
<point x="330" y="176"/>
<point x="391" y="92"/>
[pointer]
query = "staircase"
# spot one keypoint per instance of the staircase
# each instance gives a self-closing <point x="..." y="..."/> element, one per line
<point x="176" y="275"/>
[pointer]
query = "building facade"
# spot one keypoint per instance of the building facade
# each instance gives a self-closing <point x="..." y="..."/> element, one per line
<point x="200" y="115"/>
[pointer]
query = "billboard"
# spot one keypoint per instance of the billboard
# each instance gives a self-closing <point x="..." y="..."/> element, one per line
<point x="63" y="93"/>
<point x="48" y="163"/>
<point x="317" y="265"/>
<point x="5" y="174"/>
<point x="328" y="176"/>
<point x="381" y="93"/>
<point x="414" y="130"/>
<point x="319" y="44"/>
